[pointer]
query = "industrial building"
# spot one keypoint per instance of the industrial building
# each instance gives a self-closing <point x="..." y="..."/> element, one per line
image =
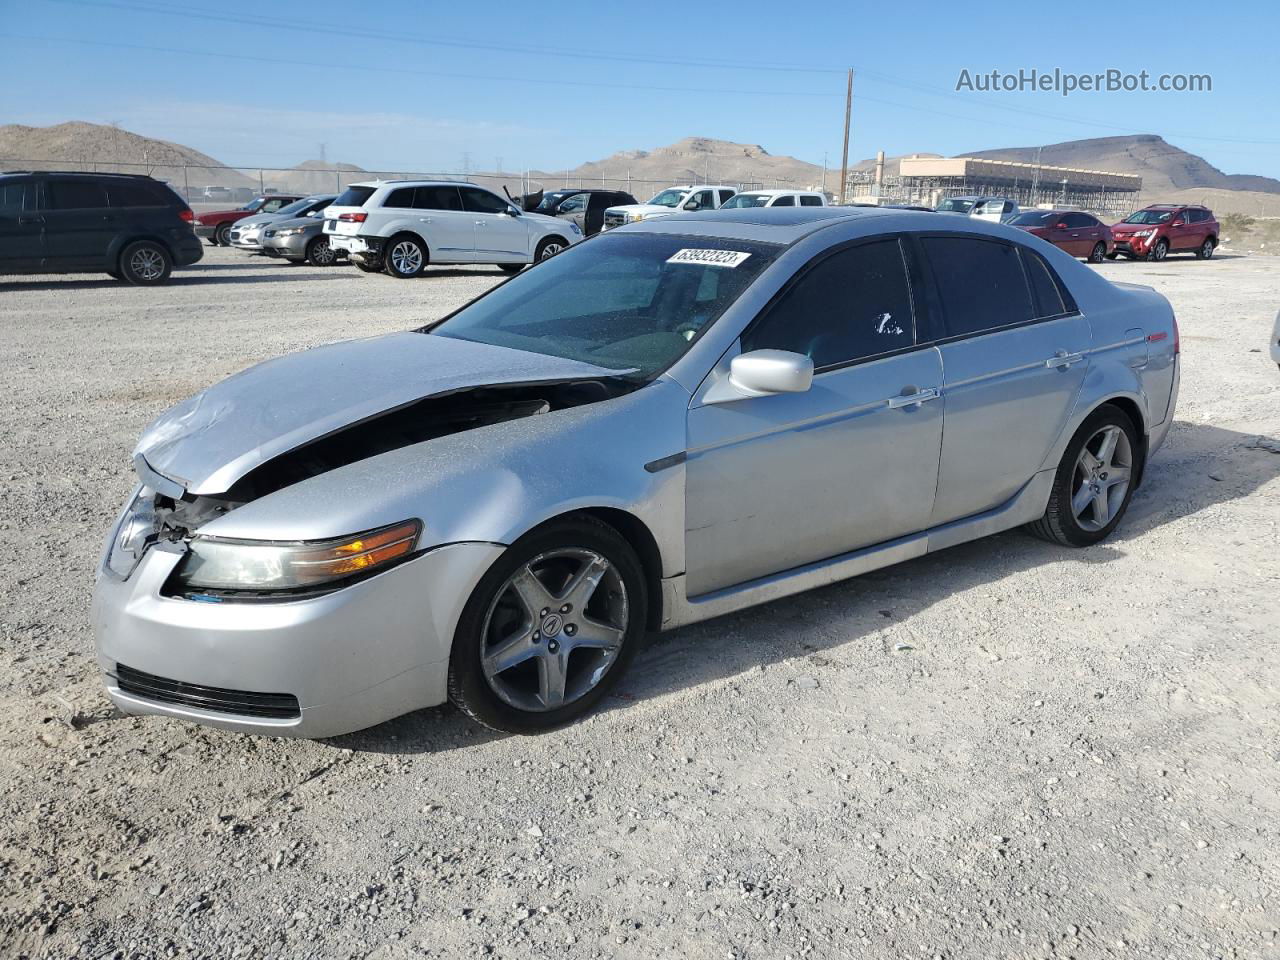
<point x="927" y="180"/>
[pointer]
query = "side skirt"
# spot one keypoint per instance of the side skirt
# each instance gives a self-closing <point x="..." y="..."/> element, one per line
<point x="1026" y="505"/>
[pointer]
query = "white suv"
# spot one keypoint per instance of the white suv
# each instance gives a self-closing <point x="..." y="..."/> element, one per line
<point x="401" y="225"/>
<point x="777" y="198"/>
<point x="672" y="200"/>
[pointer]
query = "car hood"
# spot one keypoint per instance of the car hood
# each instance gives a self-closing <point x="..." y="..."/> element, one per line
<point x="220" y="214"/>
<point x="208" y="442"/>
<point x="648" y="209"/>
<point x="317" y="222"/>
<point x="257" y="219"/>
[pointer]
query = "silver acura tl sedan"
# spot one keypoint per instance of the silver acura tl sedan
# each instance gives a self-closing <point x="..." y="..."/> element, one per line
<point x="666" y="423"/>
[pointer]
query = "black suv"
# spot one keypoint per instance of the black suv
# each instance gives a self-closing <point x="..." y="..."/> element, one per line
<point x="130" y="226"/>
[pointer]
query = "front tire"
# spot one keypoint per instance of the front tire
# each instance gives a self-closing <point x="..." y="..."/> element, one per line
<point x="145" y="263"/>
<point x="320" y="254"/>
<point x="1098" y="253"/>
<point x="1094" y="482"/>
<point x="404" y="257"/>
<point x="1159" y="251"/>
<point x="222" y="236"/>
<point x="549" y="629"/>
<point x="1205" y="250"/>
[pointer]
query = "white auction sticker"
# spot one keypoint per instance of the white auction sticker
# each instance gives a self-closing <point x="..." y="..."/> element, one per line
<point x="709" y="258"/>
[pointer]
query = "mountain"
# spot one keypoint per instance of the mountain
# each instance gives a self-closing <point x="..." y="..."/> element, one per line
<point x="1162" y="166"/>
<point x="696" y="159"/>
<point x="317" y="176"/>
<point x="93" y="146"/>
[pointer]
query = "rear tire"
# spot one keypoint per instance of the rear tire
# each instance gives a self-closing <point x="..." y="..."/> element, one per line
<point x="222" y="236"/>
<point x="565" y="656"/>
<point x="1094" y="481"/>
<point x="145" y="263"/>
<point x="1098" y="253"/>
<point x="1205" y="250"/>
<point x="548" y="247"/>
<point x="404" y="257"/>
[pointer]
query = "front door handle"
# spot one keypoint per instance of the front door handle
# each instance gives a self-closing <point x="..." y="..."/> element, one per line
<point x="482" y="223"/>
<point x="425" y="220"/>
<point x="913" y="399"/>
<point x="1063" y="359"/>
<point x="29" y="219"/>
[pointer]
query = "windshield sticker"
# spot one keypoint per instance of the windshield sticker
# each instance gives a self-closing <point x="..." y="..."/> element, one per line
<point x="709" y="258"/>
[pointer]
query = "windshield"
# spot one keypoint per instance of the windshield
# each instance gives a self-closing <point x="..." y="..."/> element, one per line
<point x="629" y="303"/>
<point x="1149" y="216"/>
<point x="1035" y="218"/>
<point x="746" y="200"/>
<point x="669" y="198"/>
<point x="955" y="205"/>
<point x="253" y="205"/>
<point x="297" y="206"/>
<point x="551" y="200"/>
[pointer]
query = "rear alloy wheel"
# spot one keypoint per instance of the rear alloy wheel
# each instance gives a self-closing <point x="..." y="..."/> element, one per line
<point x="1098" y="253"/>
<point x="320" y="254"/>
<point x="222" y="236"/>
<point x="1159" y="251"/>
<point x="549" y="629"/>
<point x="144" y="263"/>
<point x="1205" y="252"/>
<point x="404" y="257"/>
<point x="548" y="248"/>
<point x="1094" y="482"/>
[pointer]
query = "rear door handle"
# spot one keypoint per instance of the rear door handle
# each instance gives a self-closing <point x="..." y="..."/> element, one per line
<point x="425" y="220"/>
<point x="913" y="399"/>
<point x="482" y="223"/>
<point x="29" y="219"/>
<point x="1063" y="359"/>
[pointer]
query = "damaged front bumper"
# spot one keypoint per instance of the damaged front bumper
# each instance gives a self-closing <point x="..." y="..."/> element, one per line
<point x="314" y="667"/>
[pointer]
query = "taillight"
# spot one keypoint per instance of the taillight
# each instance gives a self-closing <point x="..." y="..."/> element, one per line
<point x="1177" y="340"/>
<point x="353" y="217"/>
<point x="186" y="216"/>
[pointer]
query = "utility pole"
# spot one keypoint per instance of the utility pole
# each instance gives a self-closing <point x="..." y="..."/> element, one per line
<point x="824" y="171"/>
<point x="844" y="157"/>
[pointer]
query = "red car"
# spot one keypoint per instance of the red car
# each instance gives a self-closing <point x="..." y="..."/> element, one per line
<point x="1163" y="228"/>
<point x="216" y="227"/>
<point x="1080" y="234"/>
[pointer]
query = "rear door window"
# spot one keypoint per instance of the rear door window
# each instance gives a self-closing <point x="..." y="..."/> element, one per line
<point x="1048" y="297"/>
<point x="135" y="194"/>
<point x="850" y="305"/>
<point x="787" y="201"/>
<point x="401" y="199"/>
<point x="726" y="196"/>
<point x="437" y="198"/>
<point x="12" y="199"/>
<point x="810" y="202"/>
<point x="980" y="283"/>
<point x="1077" y="220"/>
<point x="77" y="195"/>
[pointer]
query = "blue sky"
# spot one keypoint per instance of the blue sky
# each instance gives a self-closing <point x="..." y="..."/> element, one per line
<point x="552" y="84"/>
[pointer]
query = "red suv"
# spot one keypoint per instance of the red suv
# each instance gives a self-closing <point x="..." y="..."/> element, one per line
<point x="1163" y="228"/>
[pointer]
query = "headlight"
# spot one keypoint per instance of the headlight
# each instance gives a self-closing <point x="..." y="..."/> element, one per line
<point x="135" y="532"/>
<point x="634" y="217"/>
<point x="291" y="232"/>
<point x="1143" y="233"/>
<point x="213" y="563"/>
<point x="574" y="227"/>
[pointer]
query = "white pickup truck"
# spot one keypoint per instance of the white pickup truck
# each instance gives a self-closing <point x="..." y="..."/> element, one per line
<point x="672" y="200"/>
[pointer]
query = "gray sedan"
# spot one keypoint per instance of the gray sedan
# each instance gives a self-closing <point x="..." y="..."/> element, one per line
<point x="300" y="240"/>
<point x="666" y="423"/>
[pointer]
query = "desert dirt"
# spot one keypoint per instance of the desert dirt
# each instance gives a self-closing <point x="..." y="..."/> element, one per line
<point x="1003" y="750"/>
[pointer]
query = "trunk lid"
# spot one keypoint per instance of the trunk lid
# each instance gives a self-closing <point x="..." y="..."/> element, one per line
<point x="208" y="442"/>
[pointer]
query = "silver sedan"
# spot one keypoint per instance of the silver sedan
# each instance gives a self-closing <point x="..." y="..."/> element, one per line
<point x="666" y="423"/>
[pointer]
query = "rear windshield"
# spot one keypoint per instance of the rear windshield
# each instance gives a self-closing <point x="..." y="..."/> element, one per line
<point x="746" y="200"/>
<point x="354" y="197"/>
<point x="1035" y="218"/>
<point x="952" y="205"/>
<point x="632" y="303"/>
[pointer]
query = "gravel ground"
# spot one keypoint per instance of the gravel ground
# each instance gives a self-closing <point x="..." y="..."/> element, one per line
<point x="1004" y="750"/>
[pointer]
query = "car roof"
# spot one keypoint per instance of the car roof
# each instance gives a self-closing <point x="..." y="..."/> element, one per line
<point x="781" y="191"/>
<point x="78" y="173"/>
<point x="417" y="183"/>
<point x="783" y="225"/>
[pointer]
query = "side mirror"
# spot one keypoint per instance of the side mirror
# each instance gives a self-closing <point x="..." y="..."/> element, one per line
<point x="1176" y="223"/>
<point x="693" y="205"/>
<point x="764" y="372"/>
<point x="513" y="211"/>
<point x="1060" y="225"/>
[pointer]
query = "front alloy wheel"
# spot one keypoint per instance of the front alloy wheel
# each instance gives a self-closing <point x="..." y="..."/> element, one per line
<point x="549" y="248"/>
<point x="549" y="629"/>
<point x="1160" y="250"/>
